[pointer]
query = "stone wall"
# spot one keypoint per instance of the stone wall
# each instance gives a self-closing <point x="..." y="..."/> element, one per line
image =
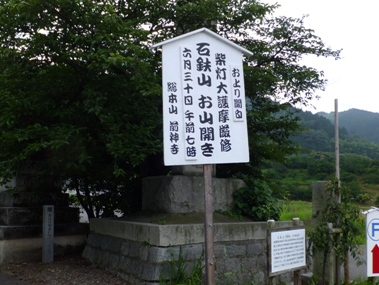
<point x="240" y="250"/>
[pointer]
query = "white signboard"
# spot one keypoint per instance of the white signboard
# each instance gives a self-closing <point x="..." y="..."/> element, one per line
<point x="372" y="243"/>
<point x="204" y="105"/>
<point x="287" y="250"/>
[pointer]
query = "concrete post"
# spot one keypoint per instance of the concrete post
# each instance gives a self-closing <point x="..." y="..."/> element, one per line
<point x="319" y="200"/>
<point x="270" y="226"/>
<point x="296" y="273"/>
<point x="48" y="234"/>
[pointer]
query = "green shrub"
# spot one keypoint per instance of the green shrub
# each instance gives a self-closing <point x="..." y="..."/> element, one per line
<point x="345" y="215"/>
<point x="257" y="201"/>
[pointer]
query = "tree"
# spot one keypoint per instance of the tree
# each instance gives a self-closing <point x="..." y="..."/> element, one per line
<point x="80" y="95"/>
<point x="80" y="89"/>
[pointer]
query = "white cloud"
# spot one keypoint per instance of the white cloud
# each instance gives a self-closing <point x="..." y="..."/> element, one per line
<point x="351" y="26"/>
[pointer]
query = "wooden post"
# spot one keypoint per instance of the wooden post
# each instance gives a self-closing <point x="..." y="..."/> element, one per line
<point x="208" y="225"/>
<point x="297" y="277"/>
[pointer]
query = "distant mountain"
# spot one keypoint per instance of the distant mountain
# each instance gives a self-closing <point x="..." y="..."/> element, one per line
<point x="319" y="133"/>
<point x="360" y="123"/>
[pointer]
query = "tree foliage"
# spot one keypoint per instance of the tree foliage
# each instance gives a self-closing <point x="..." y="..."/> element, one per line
<point x="345" y="216"/>
<point x="80" y="89"/>
<point x="257" y="201"/>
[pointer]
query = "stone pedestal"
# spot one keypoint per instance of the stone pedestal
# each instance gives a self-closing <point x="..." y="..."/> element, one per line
<point x="185" y="194"/>
<point x="142" y="248"/>
<point x="142" y="253"/>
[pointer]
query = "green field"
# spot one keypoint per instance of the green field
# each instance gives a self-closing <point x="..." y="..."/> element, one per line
<point x="297" y="209"/>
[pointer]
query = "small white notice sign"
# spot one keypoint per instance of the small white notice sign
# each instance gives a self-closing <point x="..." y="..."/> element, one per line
<point x="287" y="250"/>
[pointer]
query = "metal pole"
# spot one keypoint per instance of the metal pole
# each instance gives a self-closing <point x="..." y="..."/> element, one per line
<point x="208" y="225"/>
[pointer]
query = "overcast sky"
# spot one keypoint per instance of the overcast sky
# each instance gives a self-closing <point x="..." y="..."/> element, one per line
<point x="354" y="27"/>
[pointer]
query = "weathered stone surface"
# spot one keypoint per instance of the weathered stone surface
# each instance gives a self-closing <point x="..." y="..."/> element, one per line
<point x="112" y="245"/>
<point x="185" y="194"/>
<point x="255" y="248"/>
<point x="113" y="260"/>
<point x="167" y="235"/>
<point x="240" y="254"/>
<point x="150" y="242"/>
<point x="236" y="250"/>
<point x="192" y="251"/>
<point x="160" y="254"/>
<point x="125" y="248"/>
<point x="319" y="201"/>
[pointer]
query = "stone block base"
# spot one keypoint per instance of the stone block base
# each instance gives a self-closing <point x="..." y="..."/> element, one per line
<point x="142" y="253"/>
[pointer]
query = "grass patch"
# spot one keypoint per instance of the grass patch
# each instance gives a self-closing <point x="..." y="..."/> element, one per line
<point x="303" y="211"/>
<point x="297" y="209"/>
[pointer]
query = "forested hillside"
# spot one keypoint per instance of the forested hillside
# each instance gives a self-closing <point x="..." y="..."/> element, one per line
<point x="318" y="134"/>
<point x="358" y="123"/>
<point x="359" y="159"/>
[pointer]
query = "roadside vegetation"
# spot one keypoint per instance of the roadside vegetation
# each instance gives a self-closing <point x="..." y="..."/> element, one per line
<point x="297" y="209"/>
